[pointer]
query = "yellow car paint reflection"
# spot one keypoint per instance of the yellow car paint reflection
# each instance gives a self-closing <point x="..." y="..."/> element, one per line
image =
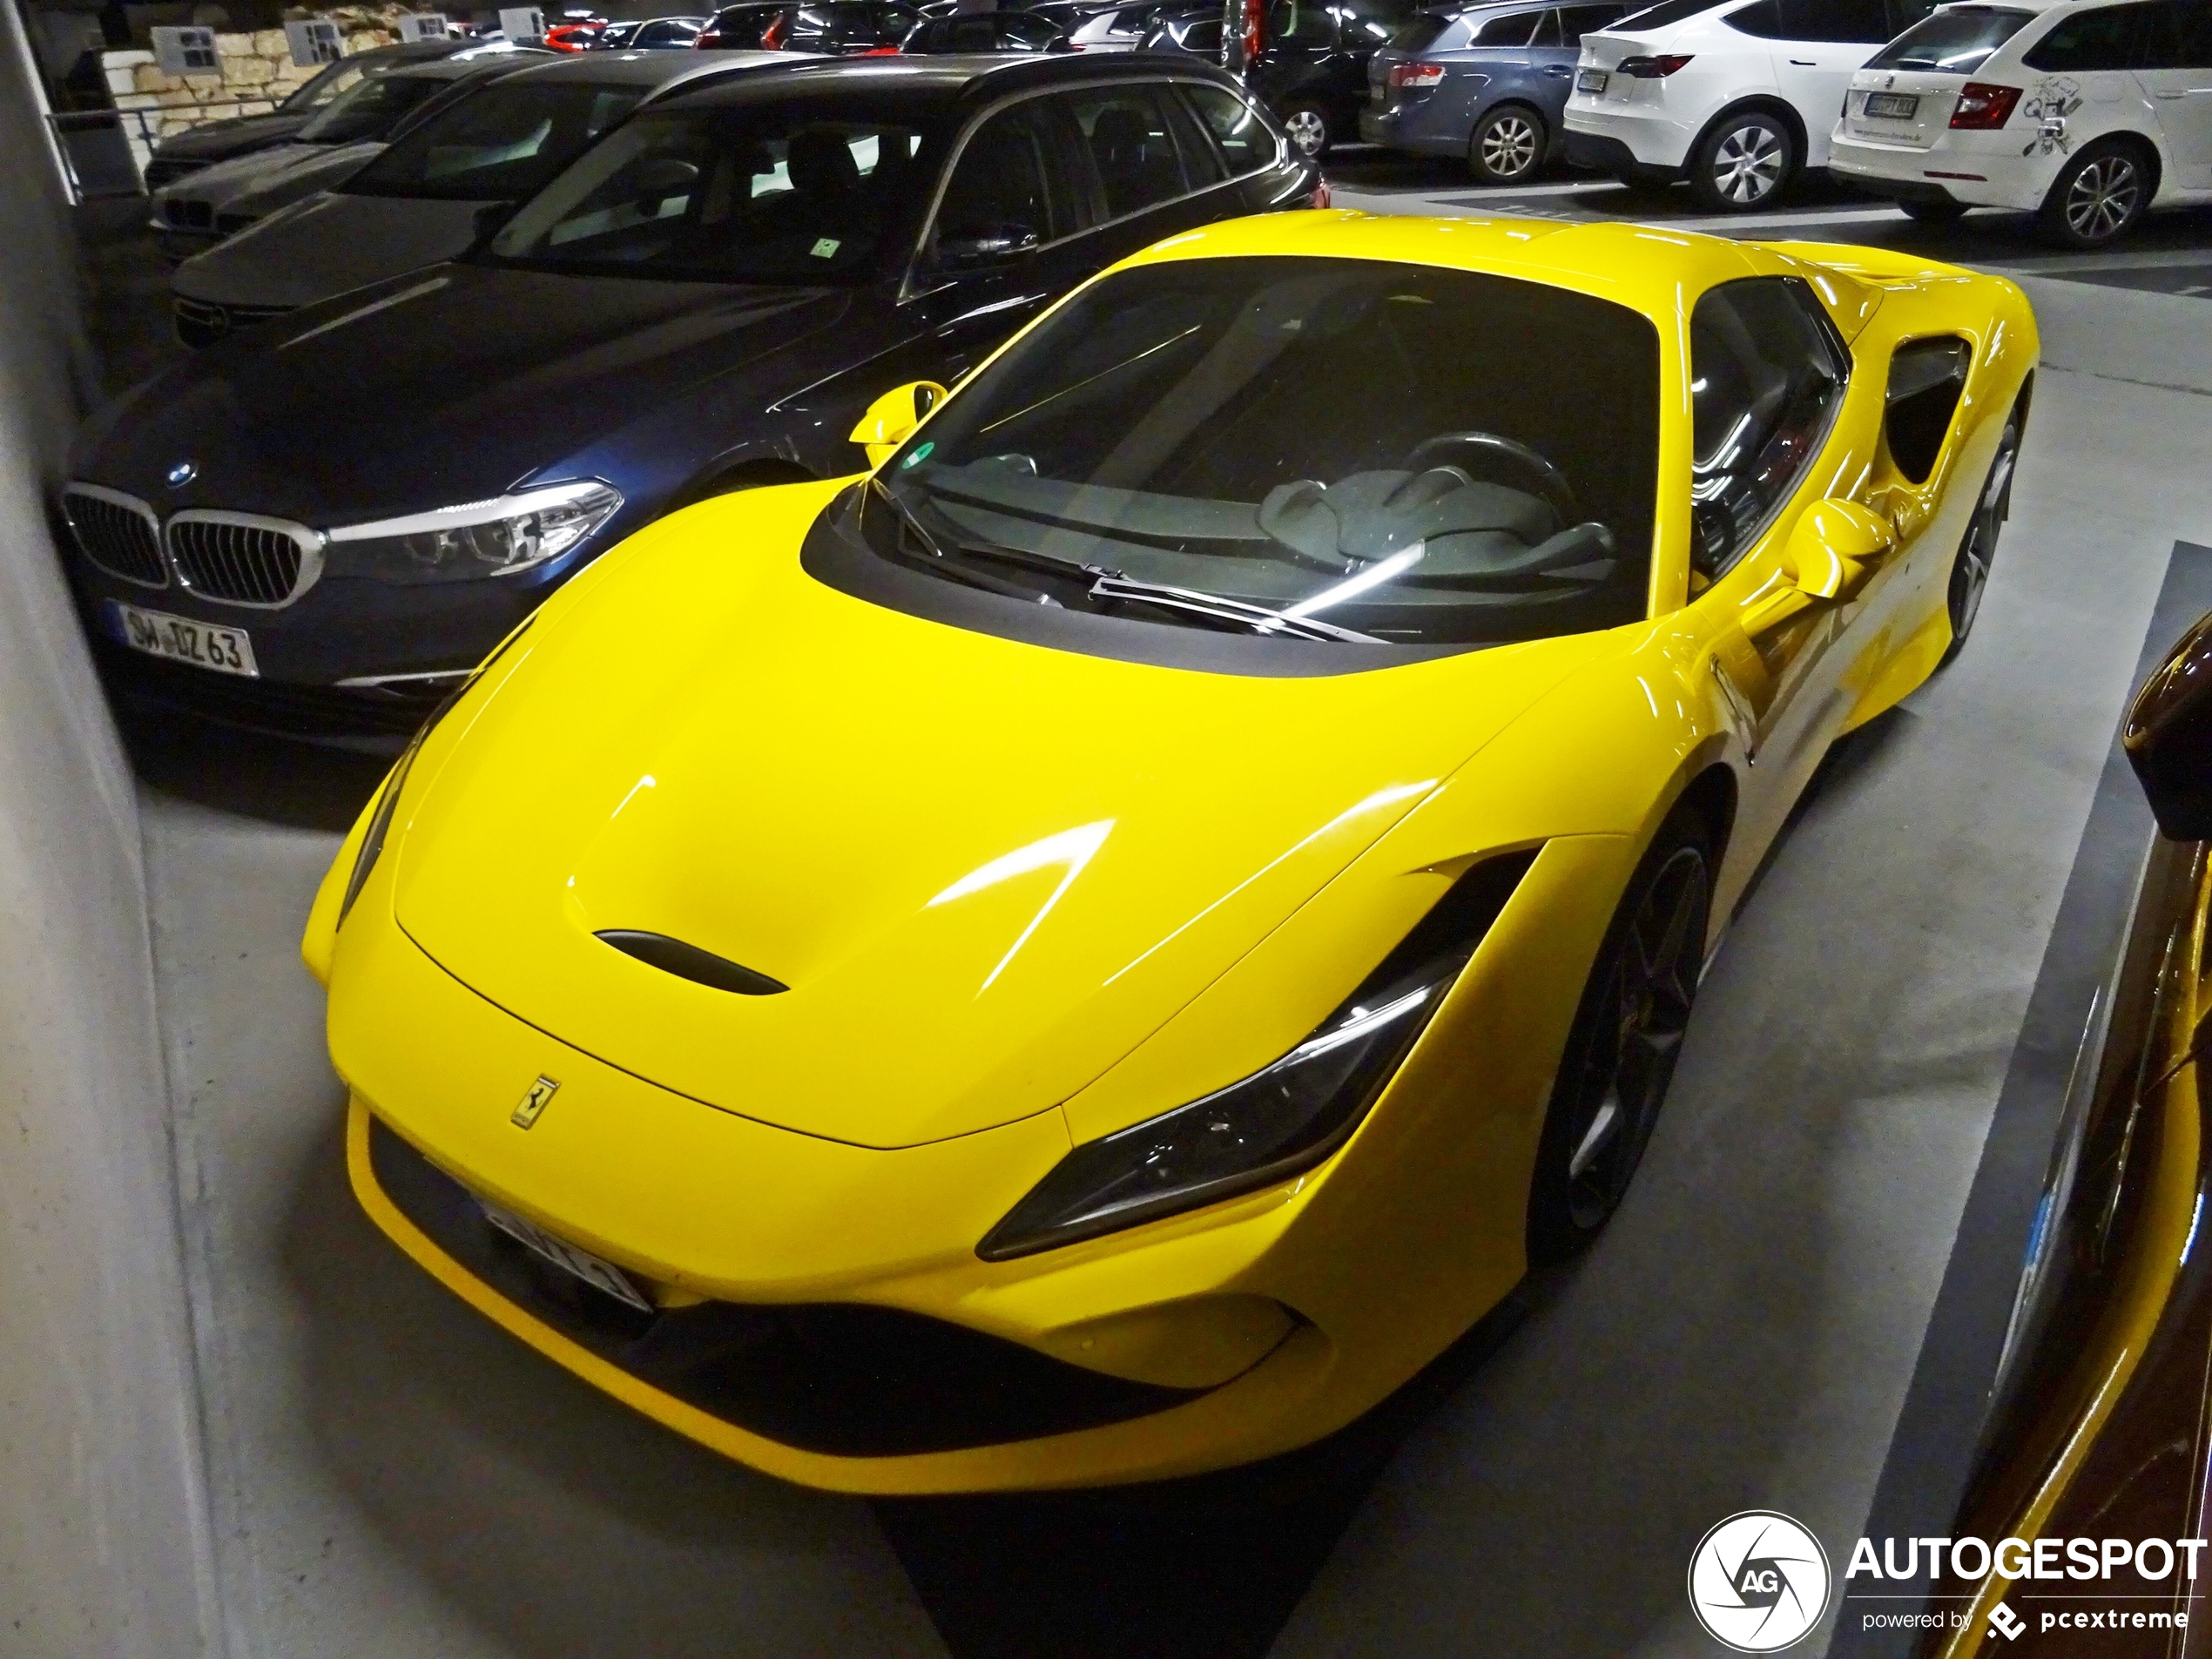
<point x="1014" y="899"/>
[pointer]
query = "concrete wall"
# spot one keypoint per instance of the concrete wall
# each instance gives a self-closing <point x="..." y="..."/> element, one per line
<point x="104" y="1540"/>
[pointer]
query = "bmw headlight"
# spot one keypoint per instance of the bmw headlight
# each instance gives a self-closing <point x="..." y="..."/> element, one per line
<point x="480" y="538"/>
<point x="1284" y="1117"/>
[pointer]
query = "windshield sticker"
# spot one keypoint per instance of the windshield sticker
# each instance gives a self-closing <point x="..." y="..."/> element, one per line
<point x="826" y="248"/>
<point x="917" y="457"/>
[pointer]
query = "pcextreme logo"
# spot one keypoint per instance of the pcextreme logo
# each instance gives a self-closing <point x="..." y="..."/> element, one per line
<point x="1758" y="1581"/>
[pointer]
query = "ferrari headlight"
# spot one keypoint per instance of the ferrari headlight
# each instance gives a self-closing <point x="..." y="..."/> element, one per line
<point x="1284" y="1117"/>
<point x="482" y="539"/>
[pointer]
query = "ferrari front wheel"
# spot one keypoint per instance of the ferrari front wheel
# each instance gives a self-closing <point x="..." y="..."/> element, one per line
<point x="1621" y="1053"/>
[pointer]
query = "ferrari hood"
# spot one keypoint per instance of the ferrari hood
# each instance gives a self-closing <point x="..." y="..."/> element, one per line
<point x="985" y="870"/>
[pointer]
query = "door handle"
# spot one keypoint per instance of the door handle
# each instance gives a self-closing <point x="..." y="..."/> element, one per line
<point x="1803" y="63"/>
<point x="1560" y="71"/>
<point x="2181" y="94"/>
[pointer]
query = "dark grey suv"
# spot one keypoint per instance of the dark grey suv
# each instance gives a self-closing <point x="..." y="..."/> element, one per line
<point x="1488" y="83"/>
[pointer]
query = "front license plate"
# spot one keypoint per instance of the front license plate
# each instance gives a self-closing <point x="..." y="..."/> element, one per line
<point x="1591" y="80"/>
<point x="1892" y="106"/>
<point x="227" y="651"/>
<point x="600" y="1275"/>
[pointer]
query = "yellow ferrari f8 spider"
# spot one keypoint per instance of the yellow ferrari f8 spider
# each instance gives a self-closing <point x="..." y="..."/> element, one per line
<point x="1094" y="950"/>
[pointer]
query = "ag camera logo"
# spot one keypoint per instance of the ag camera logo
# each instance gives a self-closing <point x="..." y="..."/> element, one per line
<point x="1758" y="1581"/>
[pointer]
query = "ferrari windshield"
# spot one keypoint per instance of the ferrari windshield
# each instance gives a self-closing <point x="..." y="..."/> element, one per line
<point x="739" y="195"/>
<point x="502" y="145"/>
<point x="1316" y="448"/>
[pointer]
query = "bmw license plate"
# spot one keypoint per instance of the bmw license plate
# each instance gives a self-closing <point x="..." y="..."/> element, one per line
<point x="227" y="651"/>
<point x="1591" y="80"/>
<point x="1892" y="106"/>
<point x="582" y="1264"/>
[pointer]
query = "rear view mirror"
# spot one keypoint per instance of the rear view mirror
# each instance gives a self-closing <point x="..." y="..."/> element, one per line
<point x="891" y="418"/>
<point x="981" y="244"/>
<point x="2168" y="736"/>
<point x="666" y="176"/>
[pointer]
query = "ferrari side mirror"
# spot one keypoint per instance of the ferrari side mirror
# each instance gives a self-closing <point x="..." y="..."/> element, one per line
<point x="2168" y="736"/>
<point x="891" y="418"/>
<point x="1829" y="550"/>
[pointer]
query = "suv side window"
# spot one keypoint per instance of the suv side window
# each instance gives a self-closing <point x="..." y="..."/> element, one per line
<point x="1246" y="143"/>
<point x="1767" y="376"/>
<point x="1132" y="147"/>
<point x="2180" y="35"/>
<point x="2109" y="37"/>
<point x="1515" y="29"/>
<point x="1006" y="183"/>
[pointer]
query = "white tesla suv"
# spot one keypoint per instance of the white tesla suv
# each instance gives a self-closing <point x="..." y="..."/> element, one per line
<point x="1736" y="97"/>
<point x="2086" y="112"/>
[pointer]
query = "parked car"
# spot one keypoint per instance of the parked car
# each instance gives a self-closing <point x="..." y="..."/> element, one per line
<point x="330" y="516"/>
<point x="659" y="34"/>
<point x="434" y="191"/>
<point x="1311" y="69"/>
<point x="576" y="35"/>
<point x="1737" y="98"/>
<point x="840" y="28"/>
<point x="2104" y="1351"/>
<point x="350" y="131"/>
<point x="1198" y="33"/>
<point x="1097" y="951"/>
<point x="987" y="31"/>
<point x="2087" y="113"/>
<point x="213" y="141"/>
<point x="1114" y="29"/>
<point x="1488" y="85"/>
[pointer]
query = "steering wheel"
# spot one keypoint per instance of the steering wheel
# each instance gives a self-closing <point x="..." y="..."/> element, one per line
<point x="1486" y="452"/>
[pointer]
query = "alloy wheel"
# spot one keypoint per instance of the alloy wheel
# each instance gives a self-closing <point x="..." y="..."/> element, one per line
<point x="1308" y="133"/>
<point x="1508" y="146"/>
<point x="1748" y="164"/>
<point x="1643" y="1011"/>
<point x="1970" y="573"/>
<point x="2103" y="198"/>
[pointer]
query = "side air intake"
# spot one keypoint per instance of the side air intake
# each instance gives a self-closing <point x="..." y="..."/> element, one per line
<point x="689" y="961"/>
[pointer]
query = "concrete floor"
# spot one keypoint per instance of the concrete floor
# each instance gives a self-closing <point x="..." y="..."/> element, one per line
<point x="391" y="1476"/>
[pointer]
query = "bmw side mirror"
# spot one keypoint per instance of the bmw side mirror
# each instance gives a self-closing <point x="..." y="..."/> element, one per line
<point x="2168" y="736"/>
<point x="890" y="419"/>
<point x="981" y="244"/>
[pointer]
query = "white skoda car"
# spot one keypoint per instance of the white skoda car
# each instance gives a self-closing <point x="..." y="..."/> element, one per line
<point x="1736" y="97"/>
<point x="2086" y="112"/>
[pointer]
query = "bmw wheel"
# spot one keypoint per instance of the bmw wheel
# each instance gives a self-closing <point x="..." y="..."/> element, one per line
<point x="1744" y="163"/>
<point x="1308" y="126"/>
<point x="1970" y="570"/>
<point x="1621" y="1053"/>
<point x="1508" y="147"/>
<point x="2097" y="197"/>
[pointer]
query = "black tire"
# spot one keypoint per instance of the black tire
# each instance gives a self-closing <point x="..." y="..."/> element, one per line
<point x="1977" y="548"/>
<point x="1620" y="1052"/>
<point x="1942" y="212"/>
<point x="1507" y="145"/>
<point x="2098" y="195"/>
<point x="1745" y="164"/>
<point x="1311" y="134"/>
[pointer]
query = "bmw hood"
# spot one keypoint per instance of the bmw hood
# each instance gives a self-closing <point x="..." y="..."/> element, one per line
<point x="327" y="245"/>
<point x="337" y="414"/>
<point x="301" y="177"/>
<point x="220" y="141"/>
<point x="982" y="870"/>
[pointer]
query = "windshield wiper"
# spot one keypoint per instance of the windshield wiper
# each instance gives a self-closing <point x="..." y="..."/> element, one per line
<point x="1253" y="618"/>
<point x="944" y="566"/>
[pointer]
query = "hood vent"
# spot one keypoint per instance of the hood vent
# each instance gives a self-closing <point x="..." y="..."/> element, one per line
<point x="689" y="961"/>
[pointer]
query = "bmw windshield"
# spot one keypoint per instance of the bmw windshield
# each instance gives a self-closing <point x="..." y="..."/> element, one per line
<point x="502" y="145"/>
<point x="778" y="194"/>
<point x="1322" y="450"/>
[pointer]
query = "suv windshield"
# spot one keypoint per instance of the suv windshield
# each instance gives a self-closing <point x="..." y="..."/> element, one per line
<point x="503" y="144"/>
<point x="368" y="107"/>
<point x="1314" y="449"/>
<point x="773" y="194"/>
<point x="1955" y="41"/>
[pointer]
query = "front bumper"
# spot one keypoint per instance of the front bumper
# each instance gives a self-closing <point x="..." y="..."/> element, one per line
<point x="823" y="1314"/>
